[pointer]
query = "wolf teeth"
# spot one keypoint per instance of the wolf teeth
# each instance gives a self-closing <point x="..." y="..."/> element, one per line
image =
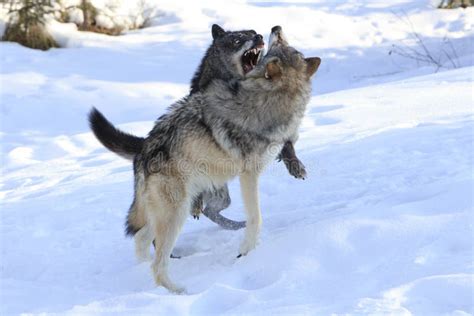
<point x="254" y="51"/>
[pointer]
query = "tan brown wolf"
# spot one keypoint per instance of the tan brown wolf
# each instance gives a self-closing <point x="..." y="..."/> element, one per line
<point x="231" y="55"/>
<point x="206" y="139"/>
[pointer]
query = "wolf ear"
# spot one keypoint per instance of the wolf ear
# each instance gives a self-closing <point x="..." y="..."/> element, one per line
<point x="217" y="31"/>
<point x="312" y="64"/>
<point x="272" y="70"/>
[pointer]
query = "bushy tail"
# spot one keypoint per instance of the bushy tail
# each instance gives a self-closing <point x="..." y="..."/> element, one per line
<point x="121" y="143"/>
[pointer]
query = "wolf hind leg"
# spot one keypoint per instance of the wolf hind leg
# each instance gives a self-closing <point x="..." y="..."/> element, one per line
<point x="167" y="216"/>
<point x="143" y="239"/>
<point x="136" y="217"/>
<point x="166" y="231"/>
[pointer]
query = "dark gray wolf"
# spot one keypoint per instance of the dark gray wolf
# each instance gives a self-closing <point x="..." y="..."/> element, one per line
<point x="208" y="138"/>
<point x="230" y="56"/>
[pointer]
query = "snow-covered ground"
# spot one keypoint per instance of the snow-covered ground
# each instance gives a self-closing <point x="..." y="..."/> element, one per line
<point x="383" y="224"/>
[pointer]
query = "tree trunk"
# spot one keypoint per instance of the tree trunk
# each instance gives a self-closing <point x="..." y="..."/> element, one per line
<point x="85" y="12"/>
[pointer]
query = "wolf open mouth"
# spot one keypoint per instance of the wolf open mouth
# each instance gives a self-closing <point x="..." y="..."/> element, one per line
<point x="250" y="58"/>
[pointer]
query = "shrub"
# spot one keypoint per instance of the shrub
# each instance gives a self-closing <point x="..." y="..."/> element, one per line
<point x="26" y="24"/>
<point x="89" y="21"/>
<point x="452" y="4"/>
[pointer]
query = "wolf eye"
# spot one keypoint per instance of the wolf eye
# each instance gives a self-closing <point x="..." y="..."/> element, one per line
<point x="236" y="42"/>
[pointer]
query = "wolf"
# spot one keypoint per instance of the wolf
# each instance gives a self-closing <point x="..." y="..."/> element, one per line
<point x="230" y="57"/>
<point x="210" y="137"/>
<point x="226" y="60"/>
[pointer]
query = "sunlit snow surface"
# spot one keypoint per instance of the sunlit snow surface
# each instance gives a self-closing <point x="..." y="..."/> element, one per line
<point x="383" y="224"/>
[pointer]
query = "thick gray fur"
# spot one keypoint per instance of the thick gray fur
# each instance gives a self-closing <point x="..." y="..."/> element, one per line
<point x="210" y="137"/>
<point x="217" y="64"/>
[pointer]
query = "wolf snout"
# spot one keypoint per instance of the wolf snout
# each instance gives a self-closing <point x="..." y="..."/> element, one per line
<point x="277" y="37"/>
<point x="276" y="29"/>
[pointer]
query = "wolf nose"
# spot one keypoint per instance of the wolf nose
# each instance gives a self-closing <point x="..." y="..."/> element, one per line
<point x="258" y="41"/>
<point x="276" y="28"/>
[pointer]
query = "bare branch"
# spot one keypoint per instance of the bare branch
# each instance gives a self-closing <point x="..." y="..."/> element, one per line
<point x="420" y="52"/>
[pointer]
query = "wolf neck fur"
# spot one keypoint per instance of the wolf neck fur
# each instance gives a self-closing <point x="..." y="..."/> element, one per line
<point x="253" y="117"/>
<point x="255" y="109"/>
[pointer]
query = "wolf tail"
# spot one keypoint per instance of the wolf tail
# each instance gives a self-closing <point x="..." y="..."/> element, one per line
<point x="124" y="145"/>
<point x="121" y="143"/>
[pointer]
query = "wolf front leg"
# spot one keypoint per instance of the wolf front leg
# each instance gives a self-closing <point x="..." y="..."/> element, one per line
<point x="249" y="189"/>
<point x="293" y="164"/>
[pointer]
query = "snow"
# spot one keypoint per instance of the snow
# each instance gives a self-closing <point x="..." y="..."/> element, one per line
<point x="382" y="225"/>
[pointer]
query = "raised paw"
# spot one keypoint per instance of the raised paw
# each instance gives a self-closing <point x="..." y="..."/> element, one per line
<point x="296" y="168"/>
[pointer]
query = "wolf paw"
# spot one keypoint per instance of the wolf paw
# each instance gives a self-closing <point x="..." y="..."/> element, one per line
<point x="246" y="247"/>
<point x="196" y="212"/>
<point x="177" y="289"/>
<point x="296" y="168"/>
<point x="162" y="279"/>
<point x="197" y="207"/>
<point x="173" y="288"/>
